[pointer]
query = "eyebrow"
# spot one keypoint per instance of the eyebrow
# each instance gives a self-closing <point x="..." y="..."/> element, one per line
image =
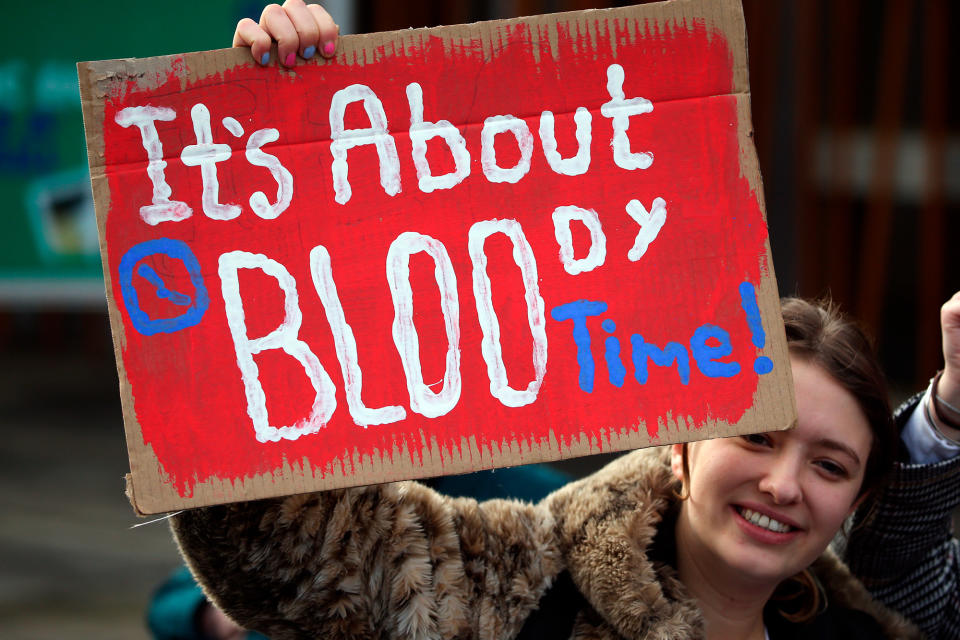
<point x="839" y="446"/>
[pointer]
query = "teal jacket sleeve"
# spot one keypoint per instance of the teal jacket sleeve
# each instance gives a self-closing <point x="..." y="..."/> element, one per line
<point x="173" y="610"/>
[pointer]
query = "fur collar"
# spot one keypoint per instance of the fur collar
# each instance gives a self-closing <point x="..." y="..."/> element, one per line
<point x="606" y="525"/>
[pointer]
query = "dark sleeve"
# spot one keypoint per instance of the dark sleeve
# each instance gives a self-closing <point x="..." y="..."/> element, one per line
<point x="902" y="546"/>
<point x="172" y="612"/>
<point x="175" y="606"/>
<point x="388" y="561"/>
<point x="530" y="483"/>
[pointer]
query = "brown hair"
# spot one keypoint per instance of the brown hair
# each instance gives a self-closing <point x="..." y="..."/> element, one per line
<point x="818" y="333"/>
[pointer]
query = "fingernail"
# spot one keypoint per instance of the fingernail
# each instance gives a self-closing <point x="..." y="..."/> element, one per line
<point x="329" y="48"/>
<point x="265" y="58"/>
<point x="308" y="52"/>
<point x="290" y="59"/>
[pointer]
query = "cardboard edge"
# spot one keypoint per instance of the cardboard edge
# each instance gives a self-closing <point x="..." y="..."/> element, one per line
<point x="129" y="491"/>
<point x="91" y="78"/>
<point x="99" y="79"/>
<point x="735" y="31"/>
<point x="768" y="297"/>
<point x="724" y="15"/>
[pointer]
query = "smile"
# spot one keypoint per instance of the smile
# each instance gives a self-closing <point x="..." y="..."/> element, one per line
<point x="762" y="521"/>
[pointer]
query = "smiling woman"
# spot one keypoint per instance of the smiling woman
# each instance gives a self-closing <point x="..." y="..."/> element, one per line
<point x="760" y="509"/>
<point x="767" y="505"/>
<point x="742" y="554"/>
<point x="708" y="540"/>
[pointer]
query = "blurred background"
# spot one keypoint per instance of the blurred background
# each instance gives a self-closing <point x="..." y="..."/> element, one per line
<point x="856" y="125"/>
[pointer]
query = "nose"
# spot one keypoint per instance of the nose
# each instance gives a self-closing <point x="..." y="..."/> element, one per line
<point x="781" y="480"/>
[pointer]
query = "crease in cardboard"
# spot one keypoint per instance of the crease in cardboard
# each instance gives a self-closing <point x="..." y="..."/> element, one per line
<point x="136" y="166"/>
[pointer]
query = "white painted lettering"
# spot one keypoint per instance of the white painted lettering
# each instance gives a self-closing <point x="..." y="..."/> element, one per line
<point x="562" y="216"/>
<point x="578" y="164"/>
<point x="234" y="127"/>
<point x="489" y="324"/>
<point x="162" y="208"/>
<point x="421" y="131"/>
<point x="258" y="201"/>
<point x="206" y="155"/>
<point x="346" y="345"/>
<point x="620" y="109"/>
<point x="488" y="154"/>
<point x="650" y="224"/>
<point x="377" y="135"/>
<point x="284" y="337"/>
<point x="422" y="399"/>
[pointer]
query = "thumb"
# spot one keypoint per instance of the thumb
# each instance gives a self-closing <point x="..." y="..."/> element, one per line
<point x="949" y="387"/>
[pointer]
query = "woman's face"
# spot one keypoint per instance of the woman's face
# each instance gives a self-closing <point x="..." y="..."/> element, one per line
<point x="766" y="506"/>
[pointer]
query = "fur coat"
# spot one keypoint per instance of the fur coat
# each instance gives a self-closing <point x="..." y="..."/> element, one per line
<point x="402" y="561"/>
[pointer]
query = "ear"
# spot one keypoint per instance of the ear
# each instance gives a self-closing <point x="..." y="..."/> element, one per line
<point x="676" y="461"/>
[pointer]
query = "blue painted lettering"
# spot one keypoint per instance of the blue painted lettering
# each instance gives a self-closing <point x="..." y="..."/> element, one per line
<point x="616" y="372"/>
<point x="748" y="300"/>
<point x="707" y="355"/>
<point x="674" y="352"/>
<point x="579" y="311"/>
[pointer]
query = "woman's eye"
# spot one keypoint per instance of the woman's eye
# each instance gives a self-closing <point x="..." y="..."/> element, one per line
<point x="832" y="468"/>
<point x="758" y="439"/>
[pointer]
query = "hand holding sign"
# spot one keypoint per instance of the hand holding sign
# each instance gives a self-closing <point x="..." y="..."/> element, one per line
<point x="296" y="27"/>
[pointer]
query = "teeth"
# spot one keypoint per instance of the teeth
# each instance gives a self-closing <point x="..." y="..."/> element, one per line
<point x="763" y="521"/>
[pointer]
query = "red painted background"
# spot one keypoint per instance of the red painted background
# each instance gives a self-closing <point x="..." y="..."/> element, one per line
<point x="187" y="390"/>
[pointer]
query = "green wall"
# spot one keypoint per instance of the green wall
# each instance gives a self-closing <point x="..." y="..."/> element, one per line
<point x="47" y="227"/>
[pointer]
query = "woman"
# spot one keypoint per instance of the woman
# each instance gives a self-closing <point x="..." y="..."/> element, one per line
<point x="718" y="539"/>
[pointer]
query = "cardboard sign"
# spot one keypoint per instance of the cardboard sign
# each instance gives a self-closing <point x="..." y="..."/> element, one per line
<point x="445" y="250"/>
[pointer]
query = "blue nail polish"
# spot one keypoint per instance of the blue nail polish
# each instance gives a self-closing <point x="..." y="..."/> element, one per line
<point x="308" y="52"/>
<point x="265" y="58"/>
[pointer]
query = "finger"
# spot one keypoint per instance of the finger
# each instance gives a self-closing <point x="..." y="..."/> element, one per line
<point x="277" y="24"/>
<point x="249" y="34"/>
<point x="950" y="327"/>
<point x="306" y="25"/>
<point x="951" y="310"/>
<point x="327" y="29"/>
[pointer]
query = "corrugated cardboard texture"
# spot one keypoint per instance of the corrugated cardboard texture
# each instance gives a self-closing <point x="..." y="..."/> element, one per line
<point x="151" y="487"/>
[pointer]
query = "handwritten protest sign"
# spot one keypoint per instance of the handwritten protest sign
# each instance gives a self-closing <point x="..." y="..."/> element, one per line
<point x="444" y="250"/>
